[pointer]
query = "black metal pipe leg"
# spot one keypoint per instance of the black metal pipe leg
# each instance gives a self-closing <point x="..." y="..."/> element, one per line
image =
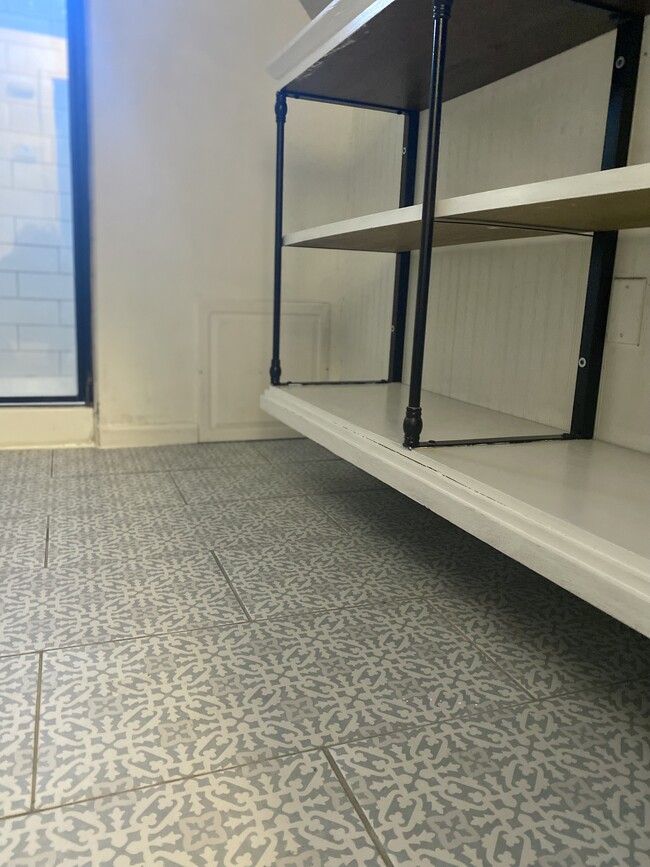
<point x="413" y="418"/>
<point x="603" y="250"/>
<point x="280" y="118"/>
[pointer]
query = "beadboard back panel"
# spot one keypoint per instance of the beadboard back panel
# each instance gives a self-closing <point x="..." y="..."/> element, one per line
<point x="505" y="318"/>
<point x="342" y="162"/>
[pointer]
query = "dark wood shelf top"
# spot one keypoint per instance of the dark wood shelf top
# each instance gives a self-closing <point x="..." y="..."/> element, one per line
<point x="381" y="52"/>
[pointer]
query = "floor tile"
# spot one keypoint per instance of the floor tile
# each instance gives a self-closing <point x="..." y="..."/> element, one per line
<point x="81" y="495"/>
<point x="18" y="680"/>
<point x="254" y="524"/>
<point x="107" y="600"/>
<point x="76" y="462"/>
<point x="290" y="812"/>
<point x="384" y="511"/>
<point x="204" y="455"/>
<point x="293" y="450"/>
<point x="221" y="484"/>
<point x="120" y="715"/>
<point x="115" y="535"/>
<point x="552" y="642"/>
<point x="25" y="464"/>
<point x="317" y="477"/>
<point x="22" y="542"/>
<point x="563" y="783"/>
<point x="292" y="575"/>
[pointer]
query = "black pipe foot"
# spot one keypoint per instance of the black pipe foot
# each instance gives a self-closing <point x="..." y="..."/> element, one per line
<point x="412" y="427"/>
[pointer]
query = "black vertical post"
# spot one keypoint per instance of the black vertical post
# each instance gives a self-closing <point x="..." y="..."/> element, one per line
<point x="280" y="118"/>
<point x="81" y="207"/>
<point x="603" y="250"/>
<point x="413" y="418"/>
<point x="403" y="264"/>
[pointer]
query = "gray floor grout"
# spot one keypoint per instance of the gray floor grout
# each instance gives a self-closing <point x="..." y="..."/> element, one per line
<point x="233" y="589"/>
<point x="502" y="710"/>
<point x="358" y="809"/>
<point x="46" y="554"/>
<point x="324" y="748"/>
<point x="178" y="487"/>
<point x="37" y="731"/>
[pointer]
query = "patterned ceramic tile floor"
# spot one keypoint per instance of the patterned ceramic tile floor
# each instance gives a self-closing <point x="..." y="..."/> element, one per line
<point x="255" y="655"/>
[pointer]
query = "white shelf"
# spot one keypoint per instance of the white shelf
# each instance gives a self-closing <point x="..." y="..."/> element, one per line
<point x="598" y="201"/>
<point x="577" y="512"/>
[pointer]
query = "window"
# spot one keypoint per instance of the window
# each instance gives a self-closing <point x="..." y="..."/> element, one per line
<point x="44" y="214"/>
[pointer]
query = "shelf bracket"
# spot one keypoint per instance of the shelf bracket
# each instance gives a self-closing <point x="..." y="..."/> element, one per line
<point x="280" y="119"/>
<point x="413" y="419"/>
<point x="603" y="250"/>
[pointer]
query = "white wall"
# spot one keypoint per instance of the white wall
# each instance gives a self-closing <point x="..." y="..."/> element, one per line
<point x="184" y="161"/>
<point x="183" y="193"/>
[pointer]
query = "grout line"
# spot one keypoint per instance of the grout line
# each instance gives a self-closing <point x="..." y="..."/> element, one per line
<point x="232" y="586"/>
<point x="176" y="485"/>
<point x="37" y="729"/>
<point x="379" y="846"/>
<point x="159" y="783"/>
<point x="46" y="559"/>
<point x="52" y="465"/>
<point x="464" y="634"/>
<point x="398" y="730"/>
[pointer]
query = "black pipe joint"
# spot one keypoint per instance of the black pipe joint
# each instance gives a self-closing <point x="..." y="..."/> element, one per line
<point x="412" y="427"/>
<point x="280" y="107"/>
<point x="275" y="371"/>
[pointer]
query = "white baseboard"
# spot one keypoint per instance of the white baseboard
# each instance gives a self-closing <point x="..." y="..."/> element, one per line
<point x="46" y="426"/>
<point x="127" y="435"/>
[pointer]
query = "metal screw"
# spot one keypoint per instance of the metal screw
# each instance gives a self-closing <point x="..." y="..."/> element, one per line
<point x="404" y="151"/>
<point x="620" y="62"/>
<point x="582" y="362"/>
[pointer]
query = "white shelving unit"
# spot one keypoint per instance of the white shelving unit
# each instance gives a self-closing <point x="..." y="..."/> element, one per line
<point x="577" y="511"/>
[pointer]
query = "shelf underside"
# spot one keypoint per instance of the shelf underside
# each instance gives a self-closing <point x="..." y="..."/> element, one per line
<point x="576" y="511"/>
<point x="600" y="201"/>
<point x="379" y="51"/>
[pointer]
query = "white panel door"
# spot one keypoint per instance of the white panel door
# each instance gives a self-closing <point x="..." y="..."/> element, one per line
<point x="235" y="360"/>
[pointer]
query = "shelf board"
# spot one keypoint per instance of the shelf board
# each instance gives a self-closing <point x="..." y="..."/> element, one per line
<point x="577" y="512"/>
<point x="379" y="51"/>
<point x="599" y="201"/>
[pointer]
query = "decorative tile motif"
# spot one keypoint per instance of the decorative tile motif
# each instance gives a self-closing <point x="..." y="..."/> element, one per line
<point x="221" y="484"/>
<point x="121" y="715"/>
<point x="74" y="462"/>
<point x="562" y="783"/>
<point x="22" y="542"/>
<point x="552" y="642"/>
<point x="27" y="464"/>
<point x="288" y="576"/>
<point x="107" y="600"/>
<point x="293" y="451"/>
<point x="296" y="574"/>
<point x="254" y="524"/>
<point x="18" y="677"/>
<point x="286" y="813"/>
<point x="86" y="495"/>
<point x="319" y="477"/>
<point x="114" y="535"/>
<point x="382" y="512"/>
